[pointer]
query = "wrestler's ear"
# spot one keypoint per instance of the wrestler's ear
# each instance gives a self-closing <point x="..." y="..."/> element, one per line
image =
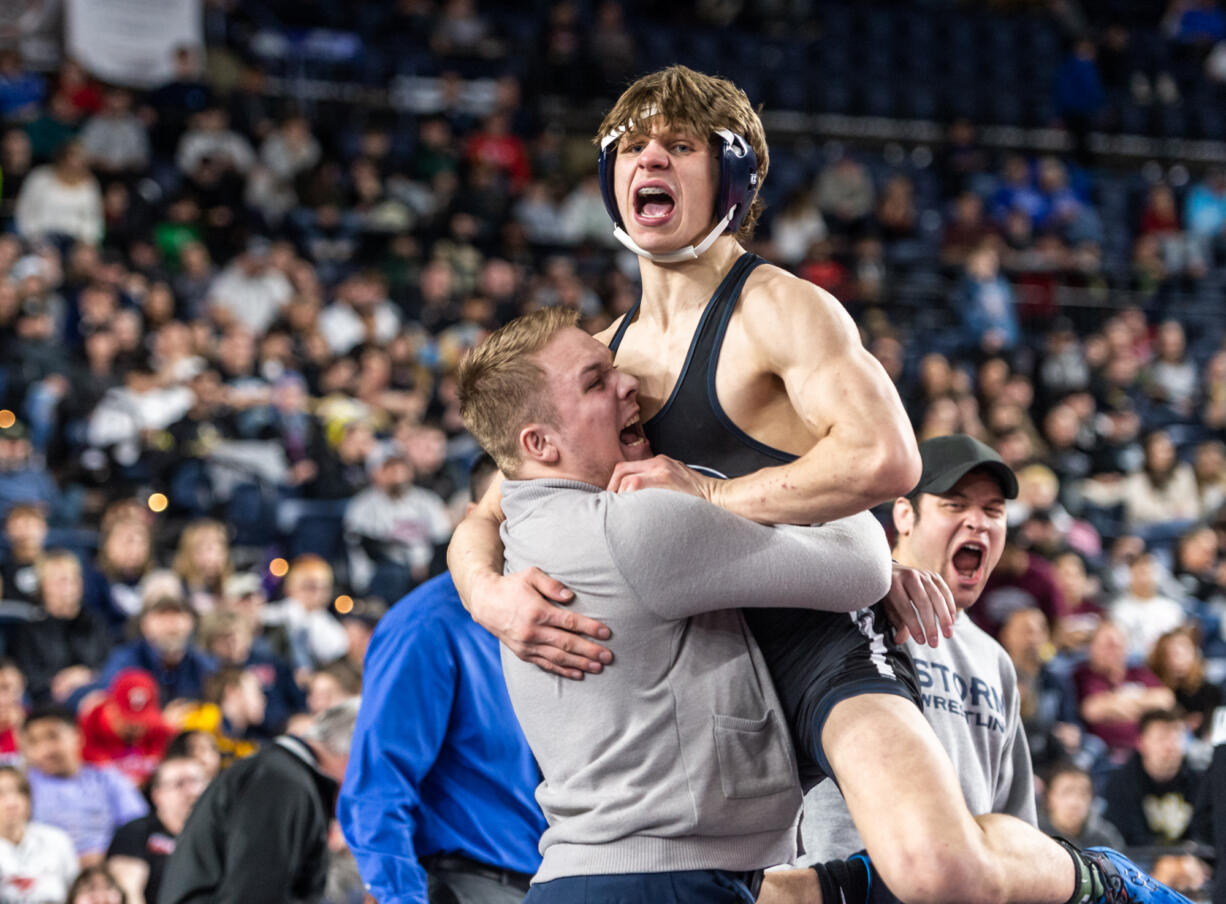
<point x="904" y="516"/>
<point x="536" y="444"/>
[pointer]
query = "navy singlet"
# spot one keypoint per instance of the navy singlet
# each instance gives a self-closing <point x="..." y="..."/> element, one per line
<point x="692" y="426"/>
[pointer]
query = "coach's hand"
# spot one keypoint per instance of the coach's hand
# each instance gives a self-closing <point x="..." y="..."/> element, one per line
<point x="920" y="605"/>
<point x="522" y="611"/>
<point x="661" y="472"/>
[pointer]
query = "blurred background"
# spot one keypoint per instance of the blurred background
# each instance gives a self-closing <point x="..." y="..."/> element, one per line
<point x="245" y="245"/>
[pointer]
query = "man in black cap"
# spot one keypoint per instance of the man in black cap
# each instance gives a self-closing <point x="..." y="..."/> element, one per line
<point x="953" y="523"/>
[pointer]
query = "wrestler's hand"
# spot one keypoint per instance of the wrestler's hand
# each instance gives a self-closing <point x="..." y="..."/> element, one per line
<point x="662" y="472"/>
<point x="521" y="610"/>
<point x="920" y="605"/>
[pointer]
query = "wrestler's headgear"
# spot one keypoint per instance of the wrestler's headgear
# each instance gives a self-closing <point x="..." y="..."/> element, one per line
<point x="738" y="184"/>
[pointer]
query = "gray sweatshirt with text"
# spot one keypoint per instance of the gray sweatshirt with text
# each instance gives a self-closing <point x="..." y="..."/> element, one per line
<point x="969" y="690"/>
<point x="677" y="756"/>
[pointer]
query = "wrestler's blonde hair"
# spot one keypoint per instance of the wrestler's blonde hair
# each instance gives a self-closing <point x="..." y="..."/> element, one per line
<point x="696" y="102"/>
<point x="502" y="387"/>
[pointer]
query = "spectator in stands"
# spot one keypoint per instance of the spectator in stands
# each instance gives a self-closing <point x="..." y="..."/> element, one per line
<point x="259" y="832"/>
<point x="126" y="728"/>
<point x="329" y="686"/>
<point x="1209" y="466"/>
<point x="199" y="746"/>
<point x="61" y="649"/>
<point x="985" y="304"/>
<point x="1172" y="378"/>
<point x="16" y="161"/>
<point x="285" y="154"/>
<point x="395" y="530"/>
<point x="360" y="314"/>
<point x="1179" y="664"/>
<point x="1079" y="94"/>
<point x="1082" y="610"/>
<point x="232" y="711"/>
<point x="1196" y="564"/>
<point x="96" y="885"/>
<point x="359" y="624"/>
<point x="37" y="861"/>
<point x="203" y="562"/>
<point x="249" y="291"/>
<point x="22" y="477"/>
<point x="796" y="227"/>
<point x="21" y="90"/>
<point x="409" y="751"/>
<point x="116" y="140"/>
<point x="1021" y="580"/>
<point x="141" y="848"/>
<point x="228" y="637"/>
<point x="966" y="229"/>
<point x="1017" y="193"/>
<point x="1151" y="797"/>
<point x="1143" y="612"/>
<point x="12" y="710"/>
<point x="1112" y="695"/>
<point x="125" y="555"/>
<point x="61" y="200"/>
<point x="88" y="802"/>
<point x="315" y="636"/>
<point x="1067" y="809"/>
<point x="1165" y="490"/>
<point x="1047" y="703"/>
<point x="164" y="649"/>
<point x="1205" y="210"/>
<point x="845" y="195"/>
<point x="25" y="530"/>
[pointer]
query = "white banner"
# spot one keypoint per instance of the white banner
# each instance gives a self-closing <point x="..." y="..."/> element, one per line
<point x="131" y="42"/>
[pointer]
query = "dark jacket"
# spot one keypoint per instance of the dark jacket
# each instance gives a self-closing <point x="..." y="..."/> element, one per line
<point x="1148" y="812"/>
<point x="258" y="833"/>
<point x="47" y="645"/>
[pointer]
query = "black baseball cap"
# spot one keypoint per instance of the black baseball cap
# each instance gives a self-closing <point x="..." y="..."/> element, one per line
<point x="947" y="459"/>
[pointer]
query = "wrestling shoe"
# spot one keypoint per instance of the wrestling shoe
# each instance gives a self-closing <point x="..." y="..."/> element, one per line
<point x="1123" y="882"/>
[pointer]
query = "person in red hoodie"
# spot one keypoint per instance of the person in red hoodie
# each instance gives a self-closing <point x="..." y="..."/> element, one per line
<point x="126" y="727"/>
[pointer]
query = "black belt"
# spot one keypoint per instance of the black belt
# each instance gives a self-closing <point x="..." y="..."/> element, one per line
<point x="457" y="863"/>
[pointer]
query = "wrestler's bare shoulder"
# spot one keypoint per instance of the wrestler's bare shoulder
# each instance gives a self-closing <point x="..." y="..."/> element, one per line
<point x="776" y="304"/>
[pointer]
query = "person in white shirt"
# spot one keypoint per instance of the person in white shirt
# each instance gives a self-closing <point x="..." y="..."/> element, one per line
<point x="315" y="636"/>
<point x="37" y="862"/>
<point x="1143" y="611"/>
<point x="62" y="198"/>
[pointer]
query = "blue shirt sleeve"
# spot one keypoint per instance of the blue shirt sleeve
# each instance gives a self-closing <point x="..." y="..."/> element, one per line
<point x="410" y="679"/>
<point x="127" y="803"/>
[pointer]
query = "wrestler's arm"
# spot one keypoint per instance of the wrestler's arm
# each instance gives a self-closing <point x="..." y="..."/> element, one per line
<point x="516" y="608"/>
<point x="865" y="452"/>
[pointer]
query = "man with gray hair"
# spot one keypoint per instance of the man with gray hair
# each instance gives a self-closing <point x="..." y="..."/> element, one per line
<point x="260" y="830"/>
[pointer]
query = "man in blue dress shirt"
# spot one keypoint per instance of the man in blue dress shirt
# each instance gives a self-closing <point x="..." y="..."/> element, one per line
<point x="437" y="803"/>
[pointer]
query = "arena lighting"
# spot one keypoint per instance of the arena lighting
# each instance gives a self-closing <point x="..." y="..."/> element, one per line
<point x="158" y="502"/>
<point x="278" y="567"/>
<point x="7" y="419"/>
<point x="344" y="604"/>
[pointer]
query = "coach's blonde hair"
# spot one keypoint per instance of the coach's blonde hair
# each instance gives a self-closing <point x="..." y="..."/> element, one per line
<point x="697" y="102"/>
<point x="501" y="386"/>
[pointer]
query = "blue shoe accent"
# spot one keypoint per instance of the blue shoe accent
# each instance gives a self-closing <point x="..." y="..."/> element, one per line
<point x="1127" y="883"/>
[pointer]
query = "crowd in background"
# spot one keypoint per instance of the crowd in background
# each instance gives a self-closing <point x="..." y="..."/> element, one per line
<point x="229" y="431"/>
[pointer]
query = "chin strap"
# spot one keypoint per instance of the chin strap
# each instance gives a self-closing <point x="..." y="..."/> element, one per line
<point x="688" y="253"/>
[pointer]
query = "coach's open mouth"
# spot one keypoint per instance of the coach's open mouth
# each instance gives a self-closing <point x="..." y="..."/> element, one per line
<point x="632" y="435"/>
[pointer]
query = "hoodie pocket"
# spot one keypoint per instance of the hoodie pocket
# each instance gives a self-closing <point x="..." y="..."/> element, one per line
<point x="754" y="759"/>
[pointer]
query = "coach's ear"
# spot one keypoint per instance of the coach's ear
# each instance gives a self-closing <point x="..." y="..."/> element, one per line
<point x="904" y="516"/>
<point x="536" y="444"/>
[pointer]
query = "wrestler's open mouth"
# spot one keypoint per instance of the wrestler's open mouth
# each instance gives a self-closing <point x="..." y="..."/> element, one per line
<point x="632" y="433"/>
<point x="967" y="560"/>
<point x="652" y="202"/>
